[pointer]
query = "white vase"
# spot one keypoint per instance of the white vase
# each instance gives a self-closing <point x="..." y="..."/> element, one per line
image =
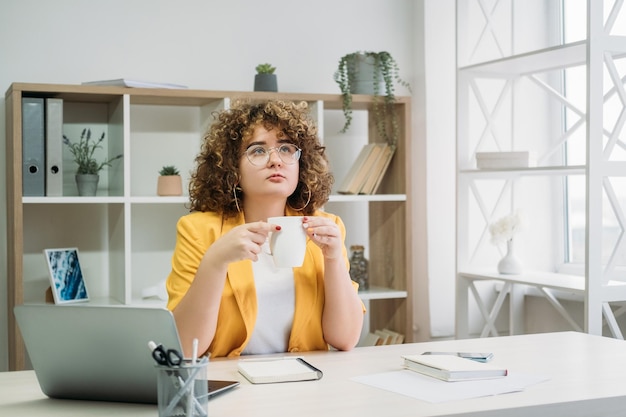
<point x="510" y="264"/>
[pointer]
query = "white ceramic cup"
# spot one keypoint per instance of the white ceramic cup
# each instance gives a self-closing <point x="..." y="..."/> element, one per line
<point x="288" y="245"/>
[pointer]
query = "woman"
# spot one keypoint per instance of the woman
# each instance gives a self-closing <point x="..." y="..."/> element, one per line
<point x="259" y="161"/>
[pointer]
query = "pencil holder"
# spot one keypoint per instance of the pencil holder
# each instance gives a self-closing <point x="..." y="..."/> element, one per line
<point x="183" y="390"/>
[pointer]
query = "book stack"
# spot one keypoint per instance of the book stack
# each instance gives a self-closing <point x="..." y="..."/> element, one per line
<point x="383" y="337"/>
<point x="368" y="170"/>
<point x="42" y="141"/>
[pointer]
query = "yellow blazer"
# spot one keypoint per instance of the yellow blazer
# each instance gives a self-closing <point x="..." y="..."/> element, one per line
<point x="238" y="308"/>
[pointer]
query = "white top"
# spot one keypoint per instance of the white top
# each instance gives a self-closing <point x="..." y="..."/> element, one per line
<point x="276" y="304"/>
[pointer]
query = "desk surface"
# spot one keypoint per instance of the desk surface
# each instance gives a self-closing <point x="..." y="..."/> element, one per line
<point x="586" y="379"/>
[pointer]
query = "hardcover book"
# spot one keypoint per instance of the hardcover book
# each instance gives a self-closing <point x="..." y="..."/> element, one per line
<point x="365" y="174"/>
<point x="353" y="180"/>
<point x="452" y="368"/>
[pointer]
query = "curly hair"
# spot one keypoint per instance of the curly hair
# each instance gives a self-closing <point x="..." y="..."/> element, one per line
<point x="213" y="185"/>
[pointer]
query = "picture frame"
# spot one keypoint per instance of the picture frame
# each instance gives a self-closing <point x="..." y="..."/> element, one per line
<point x="66" y="276"/>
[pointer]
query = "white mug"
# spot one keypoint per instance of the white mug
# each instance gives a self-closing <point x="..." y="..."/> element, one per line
<point x="288" y="245"/>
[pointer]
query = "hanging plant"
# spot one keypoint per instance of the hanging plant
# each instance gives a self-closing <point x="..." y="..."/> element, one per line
<point x="385" y="72"/>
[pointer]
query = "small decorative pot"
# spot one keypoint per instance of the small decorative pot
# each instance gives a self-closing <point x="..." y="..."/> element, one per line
<point x="87" y="184"/>
<point x="265" y="82"/>
<point x="169" y="185"/>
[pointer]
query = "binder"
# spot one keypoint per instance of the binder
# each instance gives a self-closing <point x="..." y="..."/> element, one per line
<point x="33" y="151"/>
<point x="54" y="147"/>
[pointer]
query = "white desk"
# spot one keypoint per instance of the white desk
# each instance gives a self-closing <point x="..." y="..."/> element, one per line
<point x="586" y="379"/>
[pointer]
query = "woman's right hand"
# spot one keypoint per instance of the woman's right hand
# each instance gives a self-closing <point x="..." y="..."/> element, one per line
<point x="242" y="242"/>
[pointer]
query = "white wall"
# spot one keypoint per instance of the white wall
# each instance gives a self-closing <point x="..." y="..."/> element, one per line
<point x="207" y="45"/>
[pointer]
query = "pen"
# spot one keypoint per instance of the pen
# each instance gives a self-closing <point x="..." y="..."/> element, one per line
<point x="192" y="387"/>
<point x="194" y="355"/>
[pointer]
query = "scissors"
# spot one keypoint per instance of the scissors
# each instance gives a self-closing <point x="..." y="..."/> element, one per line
<point x="165" y="357"/>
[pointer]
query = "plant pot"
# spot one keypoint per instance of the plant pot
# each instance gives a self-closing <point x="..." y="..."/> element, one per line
<point x="362" y="73"/>
<point x="87" y="184"/>
<point x="169" y="185"/>
<point x="265" y="82"/>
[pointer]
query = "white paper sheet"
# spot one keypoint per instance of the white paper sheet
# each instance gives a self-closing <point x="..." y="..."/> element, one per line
<point x="433" y="390"/>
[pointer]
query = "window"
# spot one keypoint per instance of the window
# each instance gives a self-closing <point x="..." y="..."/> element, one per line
<point x="614" y="190"/>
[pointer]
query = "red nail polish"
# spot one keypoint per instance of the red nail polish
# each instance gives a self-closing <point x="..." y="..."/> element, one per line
<point x="278" y="227"/>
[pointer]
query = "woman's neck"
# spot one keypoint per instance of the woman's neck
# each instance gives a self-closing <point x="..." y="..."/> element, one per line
<point x="255" y="211"/>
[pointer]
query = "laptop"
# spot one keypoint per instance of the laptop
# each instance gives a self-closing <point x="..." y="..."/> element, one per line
<point x="87" y="352"/>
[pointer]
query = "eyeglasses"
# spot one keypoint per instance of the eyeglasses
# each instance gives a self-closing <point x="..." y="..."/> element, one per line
<point x="287" y="152"/>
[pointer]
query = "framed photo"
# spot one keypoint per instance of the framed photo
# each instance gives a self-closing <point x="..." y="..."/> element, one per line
<point x="66" y="276"/>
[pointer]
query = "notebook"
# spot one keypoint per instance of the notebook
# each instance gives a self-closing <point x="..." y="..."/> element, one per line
<point x="88" y="352"/>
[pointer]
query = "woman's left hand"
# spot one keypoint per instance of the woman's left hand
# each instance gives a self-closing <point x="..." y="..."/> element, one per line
<point x="325" y="234"/>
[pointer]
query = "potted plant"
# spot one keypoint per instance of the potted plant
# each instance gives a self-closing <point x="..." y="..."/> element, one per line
<point x="265" y="79"/>
<point x="169" y="182"/>
<point x="372" y="73"/>
<point x="87" y="173"/>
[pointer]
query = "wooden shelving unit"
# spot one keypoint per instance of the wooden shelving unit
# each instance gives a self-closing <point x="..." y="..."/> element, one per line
<point x="126" y="233"/>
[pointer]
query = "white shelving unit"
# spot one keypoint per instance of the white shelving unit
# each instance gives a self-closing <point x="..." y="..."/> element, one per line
<point x="499" y="110"/>
<point x="126" y="233"/>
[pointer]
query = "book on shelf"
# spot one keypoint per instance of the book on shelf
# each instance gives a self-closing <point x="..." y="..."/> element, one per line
<point x="378" y="171"/>
<point x="386" y="338"/>
<point x="367" y="170"/>
<point x="389" y="337"/>
<point x="349" y="184"/>
<point x="452" y="368"/>
<point x="396" y="338"/>
<point x="125" y="82"/>
<point x="371" y="339"/>
<point x="382" y="337"/>
<point x="286" y="369"/>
